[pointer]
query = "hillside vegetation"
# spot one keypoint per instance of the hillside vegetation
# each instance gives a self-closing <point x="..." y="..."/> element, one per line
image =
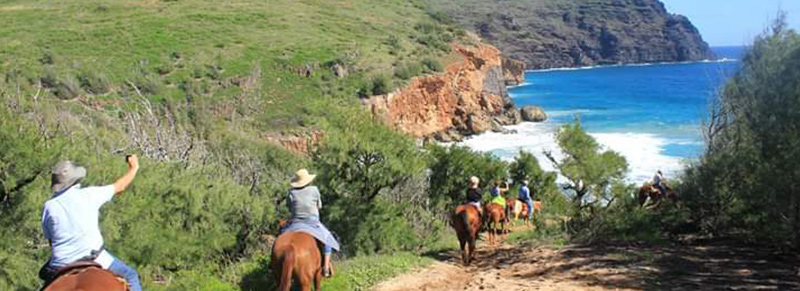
<point x="568" y="33"/>
<point x="210" y="95"/>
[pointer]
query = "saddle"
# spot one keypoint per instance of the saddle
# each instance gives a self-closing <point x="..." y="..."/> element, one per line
<point x="76" y="267"/>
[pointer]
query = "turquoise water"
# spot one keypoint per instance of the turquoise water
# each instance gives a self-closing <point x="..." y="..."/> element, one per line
<point x="666" y="101"/>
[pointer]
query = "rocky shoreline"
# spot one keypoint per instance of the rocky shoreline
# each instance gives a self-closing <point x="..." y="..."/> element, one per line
<point x="468" y="98"/>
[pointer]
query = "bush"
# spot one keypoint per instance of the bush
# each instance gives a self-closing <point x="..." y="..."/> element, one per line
<point x="93" y="83"/>
<point x="433" y="65"/>
<point x="382" y="85"/>
<point x="408" y="70"/>
<point x="67" y="88"/>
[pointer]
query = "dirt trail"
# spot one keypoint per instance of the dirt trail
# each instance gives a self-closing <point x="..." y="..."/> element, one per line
<point x="691" y="266"/>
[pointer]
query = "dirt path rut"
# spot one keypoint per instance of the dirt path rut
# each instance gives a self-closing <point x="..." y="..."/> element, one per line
<point x="686" y="266"/>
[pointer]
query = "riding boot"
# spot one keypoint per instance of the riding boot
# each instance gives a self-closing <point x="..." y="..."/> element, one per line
<point x="327" y="266"/>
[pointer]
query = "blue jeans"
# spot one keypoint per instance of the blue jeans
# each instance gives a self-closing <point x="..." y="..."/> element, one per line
<point x="130" y="275"/>
<point x="662" y="189"/>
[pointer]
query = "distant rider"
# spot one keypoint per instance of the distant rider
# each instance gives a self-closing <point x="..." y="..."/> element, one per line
<point x="70" y="222"/>
<point x="474" y="195"/>
<point x="304" y="203"/>
<point x="658" y="181"/>
<point x="498" y="195"/>
<point x="526" y="196"/>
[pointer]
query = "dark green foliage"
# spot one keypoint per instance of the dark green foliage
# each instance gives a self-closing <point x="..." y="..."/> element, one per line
<point x="408" y="70"/>
<point x="451" y="168"/>
<point x="93" y="83"/>
<point x="526" y="167"/>
<point x="67" y="88"/>
<point x="432" y="65"/>
<point x="382" y="85"/>
<point x="745" y="183"/>
<point x="361" y="167"/>
<point x="595" y="177"/>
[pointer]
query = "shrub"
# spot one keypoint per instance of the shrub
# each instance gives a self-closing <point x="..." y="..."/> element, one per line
<point x="382" y="85"/>
<point x="93" y="83"/>
<point x="433" y="65"/>
<point x="67" y="88"/>
<point x="408" y="70"/>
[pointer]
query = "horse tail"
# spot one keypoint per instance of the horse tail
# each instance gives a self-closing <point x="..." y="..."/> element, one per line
<point x="286" y="270"/>
<point x="465" y="220"/>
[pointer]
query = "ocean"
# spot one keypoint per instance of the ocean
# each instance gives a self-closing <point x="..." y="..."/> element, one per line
<point x="649" y="113"/>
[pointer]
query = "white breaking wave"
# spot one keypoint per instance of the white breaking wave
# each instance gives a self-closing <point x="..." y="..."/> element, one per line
<point x="722" y="60"/>
<point x="643" y="151"/>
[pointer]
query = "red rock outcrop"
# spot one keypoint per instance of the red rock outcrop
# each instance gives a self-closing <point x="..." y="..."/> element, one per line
<point x="468" y="97"/>
<point x="513" y="72"/>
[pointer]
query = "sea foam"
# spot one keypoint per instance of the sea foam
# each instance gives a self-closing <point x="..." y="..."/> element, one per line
<point x="643" y="151"/>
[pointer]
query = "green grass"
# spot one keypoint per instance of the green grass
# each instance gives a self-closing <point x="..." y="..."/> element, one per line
<point x="170" y="46"/>
<point x="364" y="272"/>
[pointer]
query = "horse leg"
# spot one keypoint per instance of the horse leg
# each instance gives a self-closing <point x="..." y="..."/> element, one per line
<point x="464" y="254"/>
<point x="305" y="282"/>
<point x="471" y="251"/>
<point x="318" y="279"/>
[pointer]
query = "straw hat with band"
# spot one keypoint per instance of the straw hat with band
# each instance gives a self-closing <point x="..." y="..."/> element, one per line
<point x="302" y="178"/>
<point x="65" y="174"/>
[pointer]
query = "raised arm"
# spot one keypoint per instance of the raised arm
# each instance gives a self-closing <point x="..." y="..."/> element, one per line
<point x="125" y="180"/>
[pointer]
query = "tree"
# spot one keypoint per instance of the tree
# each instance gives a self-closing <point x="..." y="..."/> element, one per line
<point x="526" y="167"/>
<point x="592" y="172"/>
<point x="746" y="180"/>
<point x="450" y="170"/>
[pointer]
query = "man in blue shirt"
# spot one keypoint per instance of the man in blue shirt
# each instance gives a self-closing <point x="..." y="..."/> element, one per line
<point x="525" y="196"/>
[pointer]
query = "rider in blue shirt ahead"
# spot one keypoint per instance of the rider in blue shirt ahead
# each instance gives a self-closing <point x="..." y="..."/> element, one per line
<point x="525" y="195"/>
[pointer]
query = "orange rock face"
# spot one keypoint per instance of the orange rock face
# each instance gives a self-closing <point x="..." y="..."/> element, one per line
<point x="469" y="97"/>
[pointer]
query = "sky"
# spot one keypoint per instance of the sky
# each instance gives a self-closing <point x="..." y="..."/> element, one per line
<point x="734" y="22"/>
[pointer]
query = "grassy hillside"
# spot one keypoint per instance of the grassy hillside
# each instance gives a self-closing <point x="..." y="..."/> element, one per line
<point x="170" y="49"/>
<point x="205" y="91"/>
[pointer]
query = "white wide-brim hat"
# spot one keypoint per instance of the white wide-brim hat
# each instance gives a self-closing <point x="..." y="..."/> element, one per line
<point x="65" y="174"/>
<point x="302" y="178"/>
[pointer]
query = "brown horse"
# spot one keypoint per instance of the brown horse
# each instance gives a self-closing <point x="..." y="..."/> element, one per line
<point x="87" y="277"/>
<point x="495" y="214"/>
<point x="520" y="208"/>
<point x="295" y="255"/>
<point x="466" y="220"/>
<point x="652" y="192"/>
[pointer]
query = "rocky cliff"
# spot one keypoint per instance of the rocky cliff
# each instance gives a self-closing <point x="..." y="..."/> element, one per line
<point x="569" y="33"/>
<point x="468" y="97"/>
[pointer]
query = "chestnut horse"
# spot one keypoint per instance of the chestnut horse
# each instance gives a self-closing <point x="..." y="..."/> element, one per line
<point x="466" y="220"/>
<point x="520" y="208"/>
<point x="295" y="255"/>
<point x="495" y="214"/>
<point x="652" y="192"/>
<point x="87" y="277"/>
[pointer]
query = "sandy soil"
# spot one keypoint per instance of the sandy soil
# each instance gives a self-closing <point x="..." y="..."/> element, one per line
<point x="700" y="265"/>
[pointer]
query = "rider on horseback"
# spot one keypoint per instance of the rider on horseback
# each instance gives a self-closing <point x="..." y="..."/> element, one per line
<point x="658" y="182"/>
<point x="498" y="197"/>
<point x="474" y="195"/>
<point x="304" y="203"/>
<point x="525" y="196"/>
<point x="70" y="222"/>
